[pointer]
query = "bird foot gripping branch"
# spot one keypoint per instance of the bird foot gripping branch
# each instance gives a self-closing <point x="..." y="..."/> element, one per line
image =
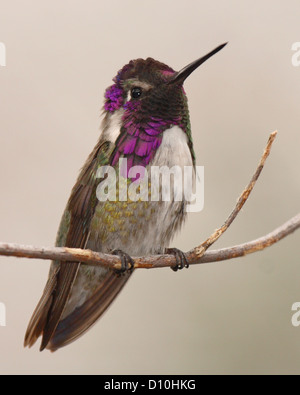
<point x="181" y="260"/>
<point x="127" y="263"/>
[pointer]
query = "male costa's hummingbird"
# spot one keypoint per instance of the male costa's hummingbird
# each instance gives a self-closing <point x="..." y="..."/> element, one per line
<point x="146" y="121"/>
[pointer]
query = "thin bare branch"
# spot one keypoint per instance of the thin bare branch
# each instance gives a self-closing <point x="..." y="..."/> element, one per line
<point x="150" y="262"/>
<point x="253" y="246"/>
<point x="198" y="255"/>
<point x="197" y="252"/>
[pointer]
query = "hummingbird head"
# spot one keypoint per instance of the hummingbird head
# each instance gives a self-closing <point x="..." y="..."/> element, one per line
<point x="141" y="88"/>
<point x="146" y="99"/>
<point x="151" y="88"/>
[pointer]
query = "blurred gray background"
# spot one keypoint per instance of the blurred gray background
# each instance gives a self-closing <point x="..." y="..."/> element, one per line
<point x="223" y="318"/>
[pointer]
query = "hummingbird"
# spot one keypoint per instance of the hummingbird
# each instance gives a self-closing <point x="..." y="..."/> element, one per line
<point x="145" y="121"/>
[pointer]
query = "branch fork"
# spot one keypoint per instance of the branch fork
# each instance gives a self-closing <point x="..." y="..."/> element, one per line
<point x="198" y="255"/>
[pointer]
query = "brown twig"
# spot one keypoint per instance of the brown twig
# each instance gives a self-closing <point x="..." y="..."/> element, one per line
<point x="198" y="252"/>
<point x="198" y="255"/>
<point x="154" y="261"/>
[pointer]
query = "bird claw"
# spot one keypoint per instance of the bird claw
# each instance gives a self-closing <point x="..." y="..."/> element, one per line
<point x="127" y="263"/>
<point x="181" y="260"/>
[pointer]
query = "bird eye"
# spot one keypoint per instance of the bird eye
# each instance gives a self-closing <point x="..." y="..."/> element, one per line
<point x="136" y="92"/>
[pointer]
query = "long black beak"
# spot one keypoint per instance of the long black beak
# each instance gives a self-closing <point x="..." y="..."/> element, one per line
<point x="187" y="70"/>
